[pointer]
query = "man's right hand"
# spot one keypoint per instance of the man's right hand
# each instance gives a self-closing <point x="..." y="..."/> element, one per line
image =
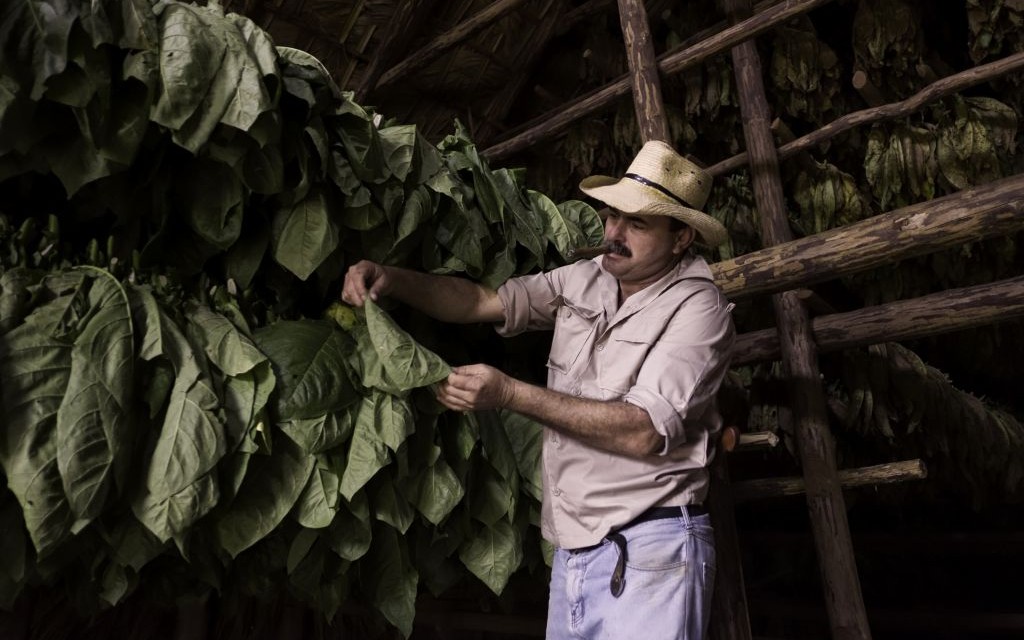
<point x="365" y="279"/>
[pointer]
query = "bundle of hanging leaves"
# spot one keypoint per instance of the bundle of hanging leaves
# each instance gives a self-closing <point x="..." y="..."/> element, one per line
<point x="182" y="404"/>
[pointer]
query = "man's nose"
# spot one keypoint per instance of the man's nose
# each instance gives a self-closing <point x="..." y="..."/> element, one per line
<point x="612" y="228"/>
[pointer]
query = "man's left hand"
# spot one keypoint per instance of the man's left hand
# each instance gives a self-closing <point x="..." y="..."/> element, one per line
<point x="476" y="386"/>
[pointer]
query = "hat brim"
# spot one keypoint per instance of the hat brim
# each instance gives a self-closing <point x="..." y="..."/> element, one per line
<point x="629" y="196"/>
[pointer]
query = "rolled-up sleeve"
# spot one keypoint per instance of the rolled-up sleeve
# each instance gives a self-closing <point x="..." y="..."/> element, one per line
<point x="529" y="303"/>
<point x="679" y="379"/>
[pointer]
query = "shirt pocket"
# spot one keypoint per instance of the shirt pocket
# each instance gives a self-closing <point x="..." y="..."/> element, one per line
<point x="574" y="326"/>
<point x="627" y="348"/>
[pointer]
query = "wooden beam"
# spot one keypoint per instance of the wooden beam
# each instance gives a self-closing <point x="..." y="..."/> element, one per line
<point x="934" y="314"/>
<point x="825" y="502"/>
<point x="992" y="210"/>
<point x="503" y="101"/>
<point x="405" y="23"/>
<point x="940" y="89"/>
<point x="439" y="45"/>
<point x="557" y="121"/>
<point x="643" y="70"/>
<point x="888" y="473"/>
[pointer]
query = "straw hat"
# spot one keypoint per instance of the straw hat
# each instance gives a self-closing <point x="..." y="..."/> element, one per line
<point x="660" y="182"/>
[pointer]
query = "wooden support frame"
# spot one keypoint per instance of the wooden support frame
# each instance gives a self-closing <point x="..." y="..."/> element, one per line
<point x="643" y="70"/>
<point x="939" y="89"/>
<point x="988" y="211"/>
<point x="401" y="29"/>
<point x="934" y="314"/>
<point x="827" y="507"/>
<point x="555" y="122"/>
<point x="439" y="45"/>
<point x="888" y="473"/>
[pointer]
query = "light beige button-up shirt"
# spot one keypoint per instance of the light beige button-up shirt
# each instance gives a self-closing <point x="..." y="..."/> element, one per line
<point x="665" y="350"/>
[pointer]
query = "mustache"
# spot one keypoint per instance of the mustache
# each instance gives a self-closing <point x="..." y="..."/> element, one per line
<point x="583" y="253"/>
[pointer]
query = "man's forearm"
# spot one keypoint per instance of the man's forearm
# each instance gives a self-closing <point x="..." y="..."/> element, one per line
<point x="445" y="298"/>
<point x="618" y="427"/>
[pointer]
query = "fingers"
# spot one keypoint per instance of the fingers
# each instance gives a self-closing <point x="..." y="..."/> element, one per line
<point x="363" y="273"/>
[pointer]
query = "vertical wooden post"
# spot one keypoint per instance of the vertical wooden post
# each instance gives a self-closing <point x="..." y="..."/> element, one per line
<point x="729" y="618"/>
<point x="643" y="68"/>
<point x="825" y="501"/>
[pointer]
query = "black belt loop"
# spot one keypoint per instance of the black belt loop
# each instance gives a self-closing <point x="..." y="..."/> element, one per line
<point x="618" y="583"/>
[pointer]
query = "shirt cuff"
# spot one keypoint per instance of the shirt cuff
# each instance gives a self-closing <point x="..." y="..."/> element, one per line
<point x="663" y="415"/>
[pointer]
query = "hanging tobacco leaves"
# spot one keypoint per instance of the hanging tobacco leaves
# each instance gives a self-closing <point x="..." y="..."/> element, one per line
<point x="179" y="200"/>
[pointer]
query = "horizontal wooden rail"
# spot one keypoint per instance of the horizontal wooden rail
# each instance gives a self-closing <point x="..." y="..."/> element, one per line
<point x="938" y="89"/>
<point x="746" y="490"/>
<point x="991" y="210"/>
<point x="559" y="119"/>
<point x="951" y="310"/>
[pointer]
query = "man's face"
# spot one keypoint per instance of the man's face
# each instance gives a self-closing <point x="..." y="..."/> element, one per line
<point x="650" y="247"/>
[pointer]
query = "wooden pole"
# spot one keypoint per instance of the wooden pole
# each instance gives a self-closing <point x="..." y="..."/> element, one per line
<point x="934" y="314"/>
<point x="729" y="618"/>
<point x="439" y="45"/>
<point x="557" y="121"/>
<point x="840" y="581"/>
<point x="643" y="69"/>
<point x="946" y="86"/>
<point x="888" y="473"/>
<point x="989" y="211"/>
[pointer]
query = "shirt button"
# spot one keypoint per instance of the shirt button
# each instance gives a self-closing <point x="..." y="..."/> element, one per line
<point x="600" y="346"/>
<point x="577" y="392"/>
<point x="556" y="492"/>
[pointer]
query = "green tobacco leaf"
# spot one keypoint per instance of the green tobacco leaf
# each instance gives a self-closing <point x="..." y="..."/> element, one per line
<point x="310" y="363"/>
<point x="367" y="453"/>
<point x="528" y="227"/>
<point x="390" y="506"/>
<point x="391" y="579"/>
<point x="526" y="438"/>
<point x="491" y="497"/>
<point x="398" y="145"/>
<point x="226" y="347"/>
<point x="192" y="441"/>
<point x="94" y="421"/>
<point x="406" y="364"/>
<point x="269" y="491"/>
<point x="350" y="533"/>
<point x="494" y="554"/>
<point x="28" y="449"/>
<point x="304" y="235"/>
<point x="586" y="220"/>
<point x="210" y="196"/>
<point x="322" y="433"/>
<point x="436" y="491"/>
<point x="209" y="73"/>
<point x="318" y="503"/>
<point x="37" y="31"/>
<point x="242" y="261"/>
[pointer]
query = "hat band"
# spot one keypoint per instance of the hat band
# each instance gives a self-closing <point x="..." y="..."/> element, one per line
<point x="650" y="183"/>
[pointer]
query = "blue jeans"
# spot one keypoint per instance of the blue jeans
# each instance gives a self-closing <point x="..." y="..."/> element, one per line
<point x="669" y="577"/>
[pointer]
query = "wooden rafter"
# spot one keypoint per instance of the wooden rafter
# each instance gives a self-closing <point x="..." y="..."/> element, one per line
<point x="557" y="121"/>
<point x="402" y="29"/>
<point x="939" y="89"/>
<point x="439" y="45"/>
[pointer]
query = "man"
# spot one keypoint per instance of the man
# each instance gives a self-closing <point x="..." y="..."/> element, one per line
<point x="642" y="339"/>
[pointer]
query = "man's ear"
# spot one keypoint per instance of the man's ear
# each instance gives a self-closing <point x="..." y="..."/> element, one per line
<point x="684" y="238"/>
